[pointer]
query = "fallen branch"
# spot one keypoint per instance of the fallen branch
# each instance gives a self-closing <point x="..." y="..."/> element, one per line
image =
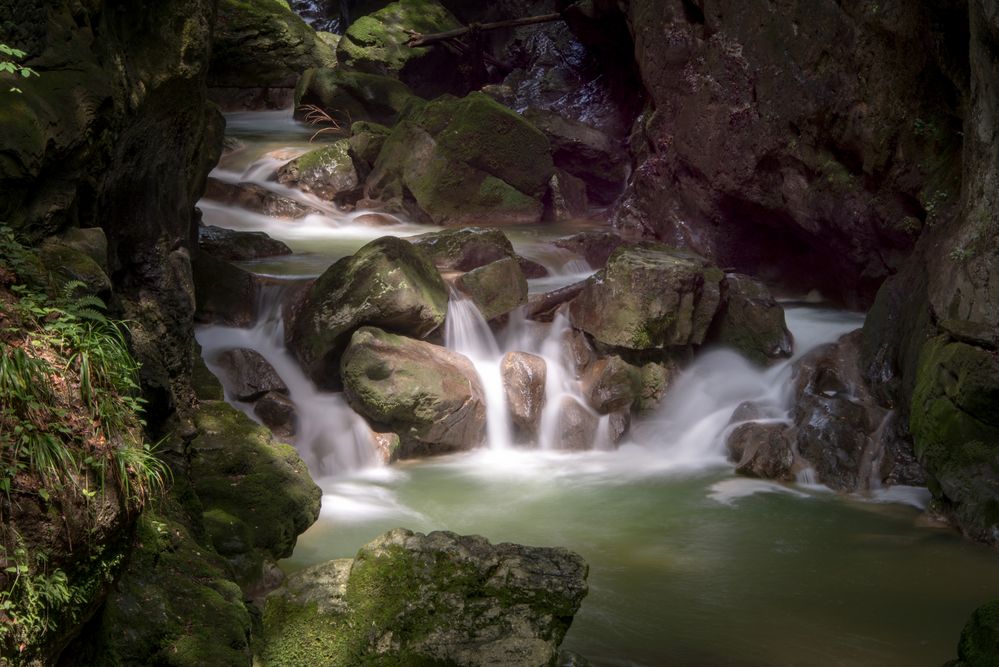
<point x="418" y="39"/>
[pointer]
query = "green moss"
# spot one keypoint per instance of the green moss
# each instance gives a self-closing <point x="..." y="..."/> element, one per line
<point x="979" y="645"/>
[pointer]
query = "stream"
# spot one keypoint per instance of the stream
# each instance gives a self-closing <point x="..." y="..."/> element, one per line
<point x="689" y="563"/>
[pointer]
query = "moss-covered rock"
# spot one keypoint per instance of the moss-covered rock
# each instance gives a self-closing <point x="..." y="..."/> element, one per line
<point x="423" y="392"/>
<point x="349" y="97"/>
<point x="67" y="264"/>
<point x="326" y="172"/>
<point x="979" y="644"/>
<point x="256" y="493"/>
<point x="955" y="429"/>
<point x="376" y="44"/>
<point x="649" y="296"/>
<point x="751" y="321"/>
<point x="366" y="142"/>
<point x="388" y="283"/>
<point x="437" y="599"/>
<point x="261" y="47"/>
<point x="464" y="162"/>
<point x="496" y="288"/>
<point x="464" y="249"/>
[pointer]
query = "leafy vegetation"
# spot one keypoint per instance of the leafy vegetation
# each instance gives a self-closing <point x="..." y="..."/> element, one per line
<point x="8" y="64"/>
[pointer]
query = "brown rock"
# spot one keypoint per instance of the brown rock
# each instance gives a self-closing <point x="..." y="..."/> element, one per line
<point x="524" y="377"/>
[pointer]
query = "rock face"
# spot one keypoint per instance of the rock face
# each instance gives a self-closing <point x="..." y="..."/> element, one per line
<point x="388" y="283"/>
<point x="524" y="377"/>
<point x="427" y="394"/>
<point x="761" y="148"/>
<point x="496" y="288"/>
<point x="353" y="96"/>
<point x="234" y="246"/>
<point x="649" y="296"/>
<point x="465" y="161"/>
<point x="260" y="49"/>
<point x="409" y="598"/>
<point x="326" y="172"/>
<point x="751" y="321"/>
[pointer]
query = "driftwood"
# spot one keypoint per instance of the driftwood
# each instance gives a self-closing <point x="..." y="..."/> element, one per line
<point x="541" y="308"/>
<point x="418" y="39"/>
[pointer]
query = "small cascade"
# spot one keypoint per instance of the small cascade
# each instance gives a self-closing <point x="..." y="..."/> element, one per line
<point x="330" y="436"/>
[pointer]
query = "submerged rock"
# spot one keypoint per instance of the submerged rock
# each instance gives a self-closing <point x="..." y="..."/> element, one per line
<point x="649" y="296"/>
<point x="326" y="172"/>
<point x="751" y="321"/>
<point x="236" y="246"/>
<point x="496" y="288"/>
<point x="441" y="598"/>
<point x="427" y="394"/>
<point x="524" y="377"/>
<point x="388" y="283"/>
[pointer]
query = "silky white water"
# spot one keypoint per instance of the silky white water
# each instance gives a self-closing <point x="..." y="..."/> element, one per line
<point x="689" y="564"/>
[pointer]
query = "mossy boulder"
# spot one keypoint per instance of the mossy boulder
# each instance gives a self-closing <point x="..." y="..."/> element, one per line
<point x="955" y="428"/>
<point x="388" y="283"/>
<point x="68" y="264"/>
<point x="979" y="644"/>
<point x="260" y="49"/>
<point x="751" y="321"/>
<point x="649" y="296"/>
<point x="464" y="162"/>
<point x="237" y="246"/>
<point x="437" y="599"/>
<point x="326" y="172"/>
<point x="464" y="249"/>
<point x="496" y="288"/>
<point x="349" y="97"/>
<point x="376" y="44"/>
<point x="366" y="142"/>
<point x="255" y="492"/>
<point x="430" y="396"/>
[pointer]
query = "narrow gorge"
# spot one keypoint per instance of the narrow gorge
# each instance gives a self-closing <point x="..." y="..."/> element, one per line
<point x="531" y="332"/>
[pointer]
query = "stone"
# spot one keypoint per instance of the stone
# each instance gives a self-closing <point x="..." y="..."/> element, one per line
<point x="349" y="97"/>
<point x="365" y="143"/>
<point x="595" y="246"/>
<point x="610" y="384"/>
<point x="224" y="293"/>
<point x="91" y="241"/>
<point x="66" y="264"/>
<point x="524" y="376"/>
<point x="979" y="643"/>
<point x="751" y="321"/>
<point x="236" y="246"/>
<point x="277" y="412"/>
<point x="247" y="375"/>
<point x="655" y="379"/>
<point x="430" y="396"/>
<point x="206" y="386"/>
<point x="649" y="296"/>
<point x="326" y="172"/>
<point x="387" y="283"/>
<point x="496" y="288"/>
<point x="762" y="450"/>
<point x="256" y="198"/>
<point x="464" y="249"/>
<point x="577" y="426"/>
<point x="567" y="196"/>
<point x="256" y="493"/>
<point x="388" y="446"/>
<point x="585" y="152"/>
<point x="441" y="598"/>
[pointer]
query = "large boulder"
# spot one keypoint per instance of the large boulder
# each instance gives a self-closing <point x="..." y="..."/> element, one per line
<point x="465" y="248"/>
<point x="524" y="377"/>
<point x="414" y="599"/>
<point x="465" y="162"/>
<point x="430" y="396"/>
<point x="233" y="459"/>
<point x="763" y="450"/>
<point x="388" y="283"/>
<point x="649" y="296"/>
<point x="577" y="426"/>
<point x="349" y="97"/>
<point x="751" y="321"/>
<point x="237" y="246"/>
<point x="260" y="49"/>
<point x="247" y="375"/>
<point x="610" y="384"/>
<point x="496" y="288"/>
<point x="326" y="172"/>
<point x="376" y="44"/>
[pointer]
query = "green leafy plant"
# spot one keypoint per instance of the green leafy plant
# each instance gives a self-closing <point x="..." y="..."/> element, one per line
<point x="8" y="63"/>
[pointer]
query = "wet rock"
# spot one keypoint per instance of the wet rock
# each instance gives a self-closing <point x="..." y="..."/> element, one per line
<point x="233" y="459"/>
<point x="649" y="296"/>
<point x="409" y="598"/>
<point x="256" y="198"/>
<point x="979" y="643"/>
<point x="496" y="288"/>
<point x="260" y="49"/>
<point x="224" y="293"/>
<point x="580" y="351"/>
<point x="655" y="379"/>
<point x="388" y="283"/>
<point x="586" y="153"/>
<point x="464" y="249"/>
<point x="567" y="196"/>
<point x="610" y="384"/>
<point x="751" y="321"/>
<point x="235" y="246"/>
<point x="365" y="143"/>
<point x="524" y="376"/>
<point x="326" y="172"/>
<point x="763" y="450"/>
<point x="247" y="375"/>
<point x="594" y="247"/>
<point x="577" y="425"/>
<point x="542" y="307"/>
<point x="618" y="424"/>
<point x="349" y="97"/>
<point x="277" y="413"/>
<point x="465" y="162"/>
<point x="388" y="446"/>
<point x="376" y="44"/>
<point x="531" y="269"/>
<point x="423" y="392"/>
